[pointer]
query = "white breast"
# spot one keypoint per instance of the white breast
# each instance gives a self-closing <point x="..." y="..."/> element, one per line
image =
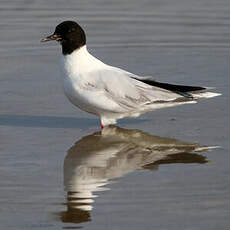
<point x="78" y="82"/>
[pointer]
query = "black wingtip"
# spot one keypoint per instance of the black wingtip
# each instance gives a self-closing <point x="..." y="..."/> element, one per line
<point x="183" y="90"/>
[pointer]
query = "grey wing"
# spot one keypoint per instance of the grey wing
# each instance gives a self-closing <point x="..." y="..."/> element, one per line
<point x="127" y="91"/>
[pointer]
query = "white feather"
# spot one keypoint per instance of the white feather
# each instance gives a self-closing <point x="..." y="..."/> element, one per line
<point x="110" y="92"/>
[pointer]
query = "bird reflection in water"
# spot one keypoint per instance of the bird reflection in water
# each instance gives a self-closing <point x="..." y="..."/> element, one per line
<point x="96" y="159"/>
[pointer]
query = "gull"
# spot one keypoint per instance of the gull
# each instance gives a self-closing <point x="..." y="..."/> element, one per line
<point x="109" y="92"/>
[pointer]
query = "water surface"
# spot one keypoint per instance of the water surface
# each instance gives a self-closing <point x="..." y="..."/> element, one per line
<point x="57" y="171"/>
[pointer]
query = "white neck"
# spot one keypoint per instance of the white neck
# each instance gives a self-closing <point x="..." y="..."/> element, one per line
<point x="81" y="61"/>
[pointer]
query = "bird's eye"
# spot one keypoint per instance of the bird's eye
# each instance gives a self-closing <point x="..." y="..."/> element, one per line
<point x="71" y="30"/>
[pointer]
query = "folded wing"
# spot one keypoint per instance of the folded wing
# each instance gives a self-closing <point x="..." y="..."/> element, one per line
<point x="127" y="90"/>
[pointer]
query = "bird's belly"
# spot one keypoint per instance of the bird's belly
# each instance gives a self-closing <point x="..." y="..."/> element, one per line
<point x="91" y="101"/>
<point x="76" y="97"/>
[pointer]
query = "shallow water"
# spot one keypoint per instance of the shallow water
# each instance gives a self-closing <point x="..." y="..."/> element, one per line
<point x="56" y="169"/>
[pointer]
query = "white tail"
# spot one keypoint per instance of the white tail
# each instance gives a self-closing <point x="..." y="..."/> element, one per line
<point x="205" y="95"/>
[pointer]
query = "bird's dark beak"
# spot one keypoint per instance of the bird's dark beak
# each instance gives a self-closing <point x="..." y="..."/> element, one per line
<point x="52" y="37"/>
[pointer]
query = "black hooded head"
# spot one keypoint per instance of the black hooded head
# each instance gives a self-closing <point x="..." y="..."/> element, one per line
<point x="70" y="35"/>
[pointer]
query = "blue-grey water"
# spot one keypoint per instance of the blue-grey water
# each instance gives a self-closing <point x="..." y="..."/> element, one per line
<point x="57" y="171"/>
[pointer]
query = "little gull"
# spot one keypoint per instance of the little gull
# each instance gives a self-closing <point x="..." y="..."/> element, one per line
<point x="109" y="92"/>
